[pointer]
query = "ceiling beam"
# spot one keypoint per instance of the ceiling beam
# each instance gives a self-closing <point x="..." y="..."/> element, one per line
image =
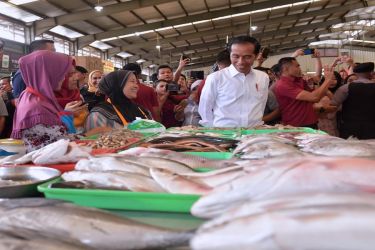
<point x="48" y="23"/>
<point x="82" y="41"/>
<point x="283" y="32"/>
<point x="237" y="28"/>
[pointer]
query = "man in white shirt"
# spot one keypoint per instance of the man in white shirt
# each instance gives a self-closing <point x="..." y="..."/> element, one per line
<point x="235" y="96"/>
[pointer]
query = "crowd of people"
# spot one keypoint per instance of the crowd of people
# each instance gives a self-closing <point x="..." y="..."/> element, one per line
<point x="50" y="97"/>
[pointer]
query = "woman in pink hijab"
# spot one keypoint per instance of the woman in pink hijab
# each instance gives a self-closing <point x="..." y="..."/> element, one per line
<point x="37" y="120"/>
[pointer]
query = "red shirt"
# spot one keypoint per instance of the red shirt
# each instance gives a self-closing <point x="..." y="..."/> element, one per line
<point x="168" y="116"/>
<point x="294" y="112"/>
<point x="146" y="98"/>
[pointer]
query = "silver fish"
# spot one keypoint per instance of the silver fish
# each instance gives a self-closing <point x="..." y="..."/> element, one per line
<point x="327" y="227"/>
<point x="284" y="177"/>
<point x="109" y="163"/>
<point x="292" y="202"/>
<point x="93" y="228"/>
<point x="175" y="183"/>
<point x="191" y="160"/>
<point x="340" y="148"/>
<point x="116" y="179"/>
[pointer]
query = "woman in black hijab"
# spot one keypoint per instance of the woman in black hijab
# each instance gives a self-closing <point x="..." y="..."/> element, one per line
<point x="118" y="110"/>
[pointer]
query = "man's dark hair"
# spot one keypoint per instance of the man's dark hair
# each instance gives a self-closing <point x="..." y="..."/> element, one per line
<point x="81" y="69"/>
<point x="133" y="67"/>
<point x="164" y="66"/>
<point x="276" y="69"/>
<point x="223" y="57"/>
<point x="159" y="81"/>
<point x="1" y="44"/>
<point x="39" y="44"/>
<point x="243" y="40"/>
<point x="285" y="61"/>
<point x="183" y="76"/>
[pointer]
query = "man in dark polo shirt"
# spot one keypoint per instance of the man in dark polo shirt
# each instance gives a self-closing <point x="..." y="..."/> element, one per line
<point x="358" y="101"/>
<point x="294" y="96"/>
<point x="146" y="96"/>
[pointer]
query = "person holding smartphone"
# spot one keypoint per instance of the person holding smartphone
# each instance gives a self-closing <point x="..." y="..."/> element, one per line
<point x="171" y="113"/>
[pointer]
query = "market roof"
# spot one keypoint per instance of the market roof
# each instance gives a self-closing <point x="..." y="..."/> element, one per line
<point x="198" y="28"/>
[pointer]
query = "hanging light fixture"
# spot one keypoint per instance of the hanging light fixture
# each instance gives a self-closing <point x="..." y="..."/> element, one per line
<point x="158" y="47"/>
<point x="98" y="7"/>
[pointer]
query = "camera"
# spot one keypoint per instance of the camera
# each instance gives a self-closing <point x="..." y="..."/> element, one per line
<point x="309" y="51"/>
<point x="173" y="88"/>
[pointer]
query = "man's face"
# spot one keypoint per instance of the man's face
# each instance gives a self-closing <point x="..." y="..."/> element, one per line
<point x="165" y="74"/>
<point x="294" y="69"/>
<point x="161" y="88"/>
<point x="242" y="57"/>
<point x="5" y="85"/>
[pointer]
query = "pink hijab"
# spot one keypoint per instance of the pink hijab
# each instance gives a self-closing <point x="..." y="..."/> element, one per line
<point x="42" y="71"/>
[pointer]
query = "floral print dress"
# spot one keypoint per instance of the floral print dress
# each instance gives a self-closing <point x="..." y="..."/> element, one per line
<point x="42" y="135"/>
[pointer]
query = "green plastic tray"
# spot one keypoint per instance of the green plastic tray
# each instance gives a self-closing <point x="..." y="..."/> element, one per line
<point x="212" y="155"/>
<point x="121" y="200"/>
<point x="270" y="131"/>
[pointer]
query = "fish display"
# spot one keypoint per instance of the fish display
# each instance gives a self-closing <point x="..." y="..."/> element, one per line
<point x="339" y="222"/>
<point x="93" y="228"/>
<point x="192" y="143"/>
<point x="132" y="164"/>
<point x="284" y="177"/>
<point x="192" y="161"/>
<point x="116" y="179"/>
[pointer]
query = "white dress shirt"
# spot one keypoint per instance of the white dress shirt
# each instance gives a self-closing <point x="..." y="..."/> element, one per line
<point x="231" y="99"/>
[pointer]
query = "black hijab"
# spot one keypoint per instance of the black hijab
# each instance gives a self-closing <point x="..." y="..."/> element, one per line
<point x="112" y="86"/>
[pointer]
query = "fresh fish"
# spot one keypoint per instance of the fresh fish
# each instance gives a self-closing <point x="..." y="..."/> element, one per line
<point x="132" y="163"/>
<point x="10" y="242"/>
<point x="93" y="228"/>
<point x="268" y="150"/>
<point x="175" y="183"/>
<point x="253" y="139"/>
<point x="191" y="160"/>
<point x="285" y="177"/>
<point x="328" y="227"/>
<point x="292" y="202"/>
<point x="216" y="177"/>
<point x="61" y="151"/>
<point x="116" y="179"/>
<point x="109" y="163"/>
<point x="340" y="148"/>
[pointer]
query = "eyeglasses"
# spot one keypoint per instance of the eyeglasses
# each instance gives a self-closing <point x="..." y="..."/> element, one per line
<point x="96" y="78"/>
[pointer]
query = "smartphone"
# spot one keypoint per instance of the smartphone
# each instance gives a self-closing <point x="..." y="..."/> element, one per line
<point x="265" y="52"/>
<point x="173" y="87"/>
<point x="309" y="51"/>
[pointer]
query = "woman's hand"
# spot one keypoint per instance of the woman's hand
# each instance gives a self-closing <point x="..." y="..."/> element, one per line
<point x="75" y="106"/>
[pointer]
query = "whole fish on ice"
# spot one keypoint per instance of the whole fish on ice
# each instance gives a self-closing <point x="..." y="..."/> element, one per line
<point x="331" y="226"/>
<point x="91" y="227"/>
<point x="285" y="177"/>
